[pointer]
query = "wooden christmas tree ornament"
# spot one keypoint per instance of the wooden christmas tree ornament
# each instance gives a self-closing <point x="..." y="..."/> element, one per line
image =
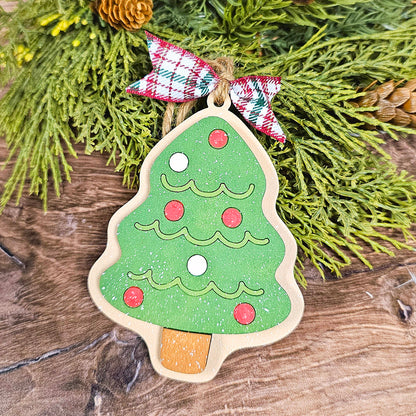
<point x="198" y="263"/>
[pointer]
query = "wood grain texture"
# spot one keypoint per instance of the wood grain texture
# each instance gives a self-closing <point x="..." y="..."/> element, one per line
<point x="354" y="353"/>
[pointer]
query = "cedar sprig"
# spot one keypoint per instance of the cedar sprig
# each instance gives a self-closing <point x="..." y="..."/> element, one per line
<point x="337" y="194"/>
<point x="244" y="21"/>
<point x="64" y="95"/>
<point x="341" y="20"/>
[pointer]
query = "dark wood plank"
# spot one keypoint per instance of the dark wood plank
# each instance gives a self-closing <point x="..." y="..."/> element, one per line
<point x="352" y="354"/>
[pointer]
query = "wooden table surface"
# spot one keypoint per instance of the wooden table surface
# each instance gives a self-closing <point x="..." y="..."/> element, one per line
<point x="354" y="352"/>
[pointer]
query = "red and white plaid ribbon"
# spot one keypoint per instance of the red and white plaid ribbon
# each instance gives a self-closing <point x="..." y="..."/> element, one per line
<point x="180" y="76"/>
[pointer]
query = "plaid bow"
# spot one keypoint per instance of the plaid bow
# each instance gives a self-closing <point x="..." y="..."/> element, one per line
<point x="180" y="76"/>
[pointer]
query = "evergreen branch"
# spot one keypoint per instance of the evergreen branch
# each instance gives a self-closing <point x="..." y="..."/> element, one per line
<point x="244" y="21"/>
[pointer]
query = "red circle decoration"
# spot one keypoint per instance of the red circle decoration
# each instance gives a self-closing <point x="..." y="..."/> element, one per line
<point x="174" y="210"/>
<point x="231" y="217"/>
<point x="218" y="139"/>
<point x="244" y="313"/>
<point x="133" y="297"/>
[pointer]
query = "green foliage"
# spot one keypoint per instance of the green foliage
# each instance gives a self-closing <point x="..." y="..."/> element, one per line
<point x="243" y="21"/>
<point x="338" y="189"/>
<point x="67" y="88"/>
<point x="361" y="18"/>
<point x="373" y="16"/>
<point x="190" y="16"/>
<point x="258" y="24"/>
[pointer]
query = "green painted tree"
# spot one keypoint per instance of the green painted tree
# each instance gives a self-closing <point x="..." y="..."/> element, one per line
<point x="198" y="254"/>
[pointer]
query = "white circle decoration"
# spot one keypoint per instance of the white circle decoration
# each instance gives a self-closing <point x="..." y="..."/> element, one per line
<point x="197" y="265"/>
<point x="178" y="162"/>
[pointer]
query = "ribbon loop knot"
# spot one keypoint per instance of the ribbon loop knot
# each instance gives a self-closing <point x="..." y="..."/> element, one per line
<point x="180" y="76"/>
<point x="224" y="68"/>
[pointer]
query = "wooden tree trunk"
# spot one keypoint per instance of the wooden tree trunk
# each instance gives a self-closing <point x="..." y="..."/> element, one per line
<point x="184" y="352"/>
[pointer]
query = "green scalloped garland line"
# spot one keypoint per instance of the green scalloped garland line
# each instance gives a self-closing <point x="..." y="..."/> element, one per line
<point x="148" y="275"/>
<point x="206" y="194"/>
<point x="155" y="225"/>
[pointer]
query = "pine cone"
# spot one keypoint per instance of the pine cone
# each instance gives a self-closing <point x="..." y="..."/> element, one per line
<point x="124" y="14"/>
<point x="396" y="105"/>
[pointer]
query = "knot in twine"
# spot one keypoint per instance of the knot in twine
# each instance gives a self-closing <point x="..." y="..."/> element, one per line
<point x="224" y="68"/>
